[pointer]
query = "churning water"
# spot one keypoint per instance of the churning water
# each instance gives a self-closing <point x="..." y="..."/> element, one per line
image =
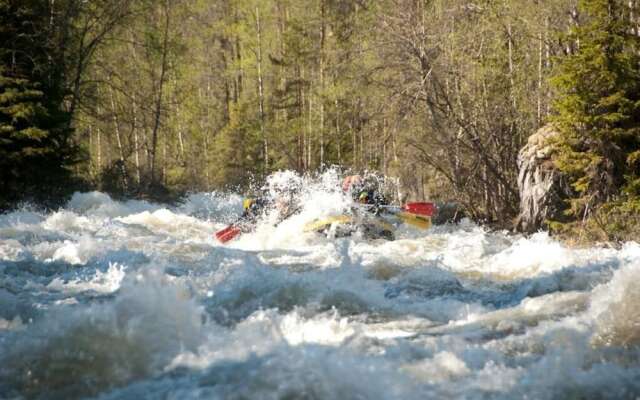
<point x="113" y="300"/>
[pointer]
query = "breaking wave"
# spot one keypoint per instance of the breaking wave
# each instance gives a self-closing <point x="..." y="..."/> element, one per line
<point x="122" y="299"/>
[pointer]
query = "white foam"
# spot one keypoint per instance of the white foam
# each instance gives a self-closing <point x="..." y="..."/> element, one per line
<point x="76" y="252"/>
<point x="67" y="221"/>
<point x="101" y="205"/>
<point x="101" y="282"/>
<point x="212" y="205"/>
<point x="20" y="219"/>
<point x="324" y="329"/>
<point x="136" y="335"/>
<point x="445" y="366"/>
<point x="452" y="312"/>
<point x="540" y="254"/>
<point x="616" y="304"/>
<point x="12" y="250"/>
<point x="165" y="221"/>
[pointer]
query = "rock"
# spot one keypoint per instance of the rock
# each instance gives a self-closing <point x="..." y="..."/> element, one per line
<point x="448" y="212"/>
<point x="543" y="188"/>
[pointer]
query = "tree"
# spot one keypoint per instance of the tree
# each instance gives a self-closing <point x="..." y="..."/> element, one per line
<point x="598" y="106"/>
<point x="460" y="77"/>
<point x="36" y="150"/>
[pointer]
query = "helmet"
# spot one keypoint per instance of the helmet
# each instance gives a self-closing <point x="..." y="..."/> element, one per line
<point x="351" y="183"/>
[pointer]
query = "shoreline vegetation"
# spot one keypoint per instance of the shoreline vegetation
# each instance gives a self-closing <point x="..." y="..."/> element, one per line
<point x="527" y="114"/>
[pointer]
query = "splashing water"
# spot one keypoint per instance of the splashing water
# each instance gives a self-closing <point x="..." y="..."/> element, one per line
<point x="132" y="299"/>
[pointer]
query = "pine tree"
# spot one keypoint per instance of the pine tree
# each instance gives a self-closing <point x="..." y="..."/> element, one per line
<point x="598" y="107"/>
<point x="35" y="132"/>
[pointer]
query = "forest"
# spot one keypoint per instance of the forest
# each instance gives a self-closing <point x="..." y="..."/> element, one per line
<point x="143" y="98"/>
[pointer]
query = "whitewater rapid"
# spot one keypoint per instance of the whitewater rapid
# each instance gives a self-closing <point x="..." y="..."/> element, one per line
<point x="129" y="299"/>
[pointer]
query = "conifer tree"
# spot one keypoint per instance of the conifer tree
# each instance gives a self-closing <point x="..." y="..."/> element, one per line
<point x="35" y="133"/>
<point x="598" y="107"/>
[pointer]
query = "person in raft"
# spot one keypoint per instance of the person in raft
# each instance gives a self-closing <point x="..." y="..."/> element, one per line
<point x="367" y="191"/>
<point x="283" y="199"/>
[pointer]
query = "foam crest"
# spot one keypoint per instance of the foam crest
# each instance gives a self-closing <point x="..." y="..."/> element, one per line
<point x="616" y="305"/>
<point x="101" y="282"/>
<point x="444" y="366"/>
<point x="214" y="205"/>
<point x="12" y="250"/>
<point x="101" y="205"/>
<point x="20" y="219"/>
<point x="322" y="329"/>
<point x="76" y="252"/>
<point x="168" y="222"/>
<point x="69" y="222"/>
<point x="83" y="350"/>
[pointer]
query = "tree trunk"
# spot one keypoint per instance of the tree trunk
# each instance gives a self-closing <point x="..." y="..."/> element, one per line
<point x="321" y="72"/>
<point x="239" y="72"/>
<point x="547" y="57"/>
<point x="301" y="106"/>
<point x="310" y="131"/>
<point x="158" y="105"/>
<point x="265" y="144"/>
<point x="207" y="178"/>
<point x="134" y="112"/>
<point x="165" y="143"/>
<point x="180" y="134"/>
<point x="282" y="28"/>
<point x="540" y="94"/>
<point x="354" y="142"/>
<point x="136" y="144"/>
<point x="99" y="151"/>
<point x="338" y="141"/>
<point x="116" y="126"/>
<point x="511" y="68"/>
<point x="92" y="165"/>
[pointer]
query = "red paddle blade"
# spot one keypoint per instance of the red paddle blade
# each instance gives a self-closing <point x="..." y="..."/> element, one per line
<point x="427" y="209"/>
<point x="227" y="233"/>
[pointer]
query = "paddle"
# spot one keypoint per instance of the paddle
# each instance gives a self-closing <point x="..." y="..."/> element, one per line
<point x="228" y="233"/>
<point x="427" y="209"/>
<point x="420" y="217"/>
<point x="418" y="221"/>
<point x="232" y="230"/>
<point x="417" y="214"/>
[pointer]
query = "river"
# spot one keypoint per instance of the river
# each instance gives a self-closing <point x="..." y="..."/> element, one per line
<point x="129" y="299"/>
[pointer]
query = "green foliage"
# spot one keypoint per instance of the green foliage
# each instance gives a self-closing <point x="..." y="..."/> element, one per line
<point x="36" y="151"/>
<point x="598" y="107"/>
<point x="238" y="148"/>
<point x="441" y="94"/>
<point x="614" y="223"/>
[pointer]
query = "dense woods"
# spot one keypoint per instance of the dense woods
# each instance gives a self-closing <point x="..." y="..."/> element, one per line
<point x="140" y="97"/>
<point x="598" y="113"/>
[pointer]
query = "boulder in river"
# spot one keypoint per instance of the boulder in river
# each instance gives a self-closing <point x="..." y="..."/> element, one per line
<point x="543" y="188"/>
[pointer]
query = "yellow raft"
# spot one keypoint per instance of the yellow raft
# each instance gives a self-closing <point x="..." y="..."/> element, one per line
<point x="371" y="227"/>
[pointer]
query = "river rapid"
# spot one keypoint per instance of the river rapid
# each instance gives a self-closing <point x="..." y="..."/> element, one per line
<point x="129" y="299"/>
